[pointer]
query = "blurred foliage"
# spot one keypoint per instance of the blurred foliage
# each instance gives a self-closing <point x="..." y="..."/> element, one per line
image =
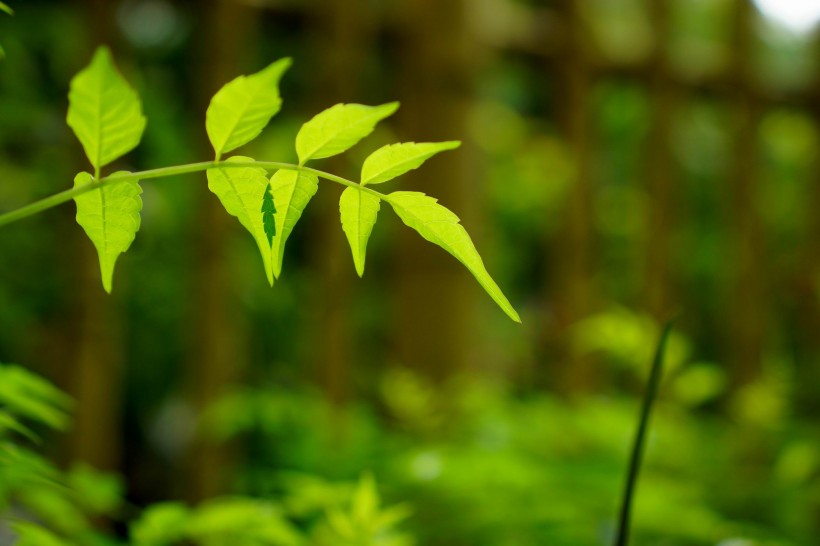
<point x="534" y="469"/>
<point x="46" y="506"/>
<point x="498" y="454"/>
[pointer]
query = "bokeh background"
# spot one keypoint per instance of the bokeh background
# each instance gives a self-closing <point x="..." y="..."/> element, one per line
<point x="622" y="159"/>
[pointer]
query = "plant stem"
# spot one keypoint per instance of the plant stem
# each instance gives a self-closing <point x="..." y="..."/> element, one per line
<point x="622" y="533"/>
<point x="163" y="172"/>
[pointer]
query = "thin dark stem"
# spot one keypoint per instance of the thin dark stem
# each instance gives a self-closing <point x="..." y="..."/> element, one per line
<point x="622" y="534"/>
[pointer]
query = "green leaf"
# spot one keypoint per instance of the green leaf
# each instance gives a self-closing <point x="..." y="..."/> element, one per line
<point x="338" y="128"/>
<point x="104" y="112"/>
<point x="160" y="524"/>
<point x="394" y="160"/>
<point x="440" y="226"/>
<point x="242" y="192"/>
<point x="4" y="7"/>
<point x="243" y="107"/>
<point x="32" y="534"/>
<point x="96" y="492"/>
<point x="292" y="190"/>
<point x="269" y="216"/>
<point x="110" y="217"/>
<point x="358" y="210"/>
<point x="27" y="395"/>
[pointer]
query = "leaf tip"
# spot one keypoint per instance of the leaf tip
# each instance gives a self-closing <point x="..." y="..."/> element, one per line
<point x="391" y="107"/>
<point x="102" y="54"/>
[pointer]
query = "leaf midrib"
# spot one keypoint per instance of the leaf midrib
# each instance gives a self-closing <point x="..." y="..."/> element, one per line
<point x="243" y="110"/>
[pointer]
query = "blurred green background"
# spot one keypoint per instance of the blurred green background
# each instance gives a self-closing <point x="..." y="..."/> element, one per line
<point x="622" y="159"/>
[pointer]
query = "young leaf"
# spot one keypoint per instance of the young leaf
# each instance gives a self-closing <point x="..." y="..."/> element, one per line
<point x="243" y="107"/>
<point x="292" y="190"/>
<point x="269" y="216"/>
<point x="440" y="226"/>
<point x="394" y="160"/>
<point x="110" y="217"/>
<point x="104" y="112"/>
<point x="242" y="192"/>
<point x="358" y="210"/>
<point x="338" y="128"/>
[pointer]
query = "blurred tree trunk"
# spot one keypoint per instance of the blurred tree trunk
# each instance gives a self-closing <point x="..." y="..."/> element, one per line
<point x="433" y="294"/>
<point x="572" y="285"/>
<point x="96" y="371"/>
<point x="343" y="37"/>
<point x="218" y="348"/>
<point x="807" y="291"/>
<point x="660" y="170"/>
<point x="746" y="304"/>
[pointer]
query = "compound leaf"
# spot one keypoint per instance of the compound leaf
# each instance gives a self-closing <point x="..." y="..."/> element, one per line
<point x="110" y="216"/>
<point x="243" y="107"/>
<point x="242" y="192"/>
<point x="292" y="191"/>
<point x="104" y="111"/>
<point x="441" y="226"/>
<point x="338" y="128"/>
<point x="358" y="210"/>
<point x="394" y="160"/>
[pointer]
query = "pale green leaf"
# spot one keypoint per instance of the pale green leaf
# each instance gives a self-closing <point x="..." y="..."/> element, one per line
<point x="292" y="191"/>
<point x="4" y="7"/>
<point x="339" y="128"/>
<point x="104" y="112"/>
<point x="440" y="226"/>
<point x="394" y="160"/>
<point x="110" y="217"/>
<point x="243" y="107"/>
<point x="242" y="192"/>
<point x="358" y="210"/>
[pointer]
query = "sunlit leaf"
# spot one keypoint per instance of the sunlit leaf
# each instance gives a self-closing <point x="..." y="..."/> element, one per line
<point x="242" y="192"/>
<point x="110" y="216"/>
<point x="394" y="160"/>
<point x="5" y="8"/>
<point x="243" y="107"/>
<point x="292" y="190"/>
<point x="339" y="128"/>
<point x="104" y="112"/>
<point x="358" y="210"/>
<point x="440" y="226"/>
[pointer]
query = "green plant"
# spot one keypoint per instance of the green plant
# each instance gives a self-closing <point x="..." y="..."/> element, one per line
<point x="45" y="506"/>
<point x="5" y="9"/>
<point x="106" y="115"/>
